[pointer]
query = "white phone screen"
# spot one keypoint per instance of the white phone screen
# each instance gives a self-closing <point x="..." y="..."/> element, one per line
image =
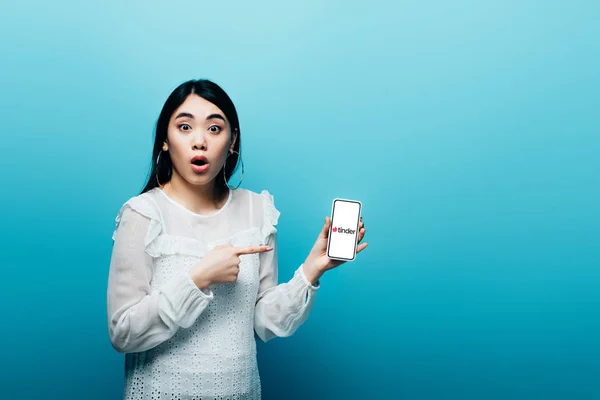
<point x="343" y="232"/>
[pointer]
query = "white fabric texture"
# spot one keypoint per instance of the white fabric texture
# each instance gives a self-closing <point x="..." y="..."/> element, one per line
<point x="181" y="342"/>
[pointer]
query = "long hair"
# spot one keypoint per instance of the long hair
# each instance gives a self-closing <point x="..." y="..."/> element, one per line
<point x="209" y="91"/>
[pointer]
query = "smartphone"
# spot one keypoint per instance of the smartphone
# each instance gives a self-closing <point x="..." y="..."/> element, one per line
<point x="343" y="232"/>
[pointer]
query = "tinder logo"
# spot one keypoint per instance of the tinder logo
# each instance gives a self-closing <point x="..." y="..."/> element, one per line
<point x="343" y="230"/>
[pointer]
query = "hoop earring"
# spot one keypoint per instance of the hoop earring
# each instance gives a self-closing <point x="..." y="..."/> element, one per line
<point x="157" y="161"/>
<point x="225" y="178"/>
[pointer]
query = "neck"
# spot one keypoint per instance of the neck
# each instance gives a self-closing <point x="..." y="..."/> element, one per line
<point x="201" y="199"/>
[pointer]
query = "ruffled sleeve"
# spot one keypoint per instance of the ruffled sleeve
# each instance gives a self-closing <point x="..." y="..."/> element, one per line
<point x="144" y="207"/>
<point x="280" y="308"/>
<point x="270" y="214"/>
<point x="141" y="317"/>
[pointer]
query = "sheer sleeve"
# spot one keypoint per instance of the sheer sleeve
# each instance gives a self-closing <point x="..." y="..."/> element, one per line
<point x="139" y="317"/>
<point x="280" y="308"/>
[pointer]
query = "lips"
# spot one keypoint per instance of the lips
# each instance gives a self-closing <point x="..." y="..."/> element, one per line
<point x="199" y="164"/>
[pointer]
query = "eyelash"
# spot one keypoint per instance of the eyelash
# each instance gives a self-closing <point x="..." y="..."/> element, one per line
<point x="209" y="128"/>
<point x="216" y="126"/>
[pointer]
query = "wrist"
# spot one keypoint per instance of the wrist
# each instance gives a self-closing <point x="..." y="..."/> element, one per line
<point x="312" y="273"/>
<point x="200" y="279"/>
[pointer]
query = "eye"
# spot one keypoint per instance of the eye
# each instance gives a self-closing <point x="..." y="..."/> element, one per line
<point x="185" y="127"/>
<point x="214" y="128"/>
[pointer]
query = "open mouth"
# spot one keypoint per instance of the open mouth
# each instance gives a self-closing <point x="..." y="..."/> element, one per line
<point x="199" y="164"/>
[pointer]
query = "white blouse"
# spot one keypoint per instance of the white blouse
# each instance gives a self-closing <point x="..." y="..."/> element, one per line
<point x="182" y="342"/>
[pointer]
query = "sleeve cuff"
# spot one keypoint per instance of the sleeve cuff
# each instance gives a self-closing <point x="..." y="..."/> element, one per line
<point x="182" y="301"/>
<point x="305" y="280"/>
<point x="206" y="293"/>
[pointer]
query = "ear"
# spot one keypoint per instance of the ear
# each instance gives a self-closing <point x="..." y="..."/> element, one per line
<point x="235" y="136"/>
<point x="165" y="146"/>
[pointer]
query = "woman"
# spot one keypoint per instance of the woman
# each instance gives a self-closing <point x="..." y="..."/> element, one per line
<point x="193" y="274"/>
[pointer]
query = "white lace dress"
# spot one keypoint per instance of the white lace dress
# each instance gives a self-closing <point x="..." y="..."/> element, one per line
<point x="182" y="342"/>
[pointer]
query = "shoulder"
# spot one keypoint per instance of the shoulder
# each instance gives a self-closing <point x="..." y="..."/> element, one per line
<point x="263" y="199"/>
<point x="262" y="196"/>
<point x="264" y="205"/>
<point x="144" y="204"/>
<point x="141" y="206"/>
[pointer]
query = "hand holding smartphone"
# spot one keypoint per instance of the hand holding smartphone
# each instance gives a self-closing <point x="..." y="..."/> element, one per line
<point x="343" y="232"/>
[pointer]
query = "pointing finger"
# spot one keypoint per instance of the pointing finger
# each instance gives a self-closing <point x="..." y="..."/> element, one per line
<point x="252" y="249"/>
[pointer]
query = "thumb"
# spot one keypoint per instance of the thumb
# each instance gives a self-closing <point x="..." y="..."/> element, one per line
<point x="325" y="230"/>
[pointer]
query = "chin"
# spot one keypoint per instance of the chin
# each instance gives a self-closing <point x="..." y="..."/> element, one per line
<point x="200" y="180"/>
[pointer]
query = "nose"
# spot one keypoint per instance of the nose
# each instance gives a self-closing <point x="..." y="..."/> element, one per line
<point x="199" y="141"/>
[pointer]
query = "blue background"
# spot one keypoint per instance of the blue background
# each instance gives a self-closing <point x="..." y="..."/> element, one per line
<point x="469" y="131"/>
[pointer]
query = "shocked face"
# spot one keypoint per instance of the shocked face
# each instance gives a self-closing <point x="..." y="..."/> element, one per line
<point x="199" y="139"/>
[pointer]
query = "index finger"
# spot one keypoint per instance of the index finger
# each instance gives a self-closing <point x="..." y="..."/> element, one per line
<point x="251" y="249"/>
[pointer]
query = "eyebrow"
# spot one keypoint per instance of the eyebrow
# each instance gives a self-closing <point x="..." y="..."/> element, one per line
<point x="217" y="116"/>
<point x="184" y="115"/>
<point x="188" y="115"/>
